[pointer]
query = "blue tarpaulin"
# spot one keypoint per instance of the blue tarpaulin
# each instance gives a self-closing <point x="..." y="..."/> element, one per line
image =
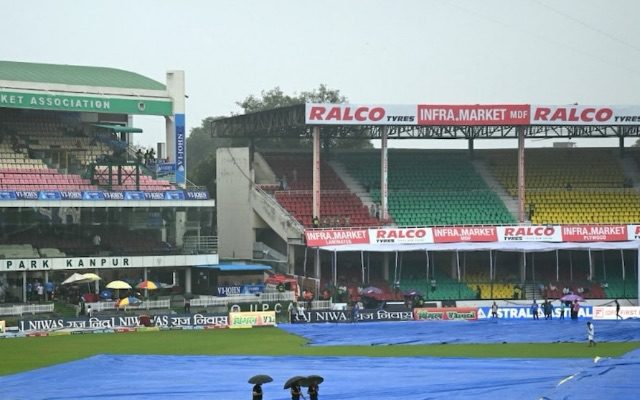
<point x="206" y="377"/>
<point x="480" y="331"/>
<point x="209" y="377"/>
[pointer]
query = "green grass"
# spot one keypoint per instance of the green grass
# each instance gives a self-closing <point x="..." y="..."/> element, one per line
<point x="23" y="354"/>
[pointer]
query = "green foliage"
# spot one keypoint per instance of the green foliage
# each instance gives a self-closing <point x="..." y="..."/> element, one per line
<point x="23" y="354"/>
<point x="201" y="147"/>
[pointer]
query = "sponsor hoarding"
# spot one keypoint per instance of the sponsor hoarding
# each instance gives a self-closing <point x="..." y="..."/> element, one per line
<point x="103" y="322"/>
<point x="610" y="312"/>
<point x="453" y="234"/>
<point x="584" y="115"/>
<point x="594" y="233"/>
<point x="330" y="237"/>
<point x="445" y="314"/>
<point x="366" y="315"/>
<point x="401" y="235"/>
<point x="539" y="233"/>
<point x="524" y="312"/>
<point x="251" y="319"/>
<point x="477" y="114"/>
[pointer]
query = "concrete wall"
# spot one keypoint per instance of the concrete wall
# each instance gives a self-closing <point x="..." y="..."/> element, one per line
<point x="235" y="214"/>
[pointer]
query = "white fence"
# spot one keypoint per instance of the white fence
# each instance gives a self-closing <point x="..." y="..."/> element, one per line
<point x="212" y="301"/>
<point x="20" y="309"/>
<point x="145" y="305"/>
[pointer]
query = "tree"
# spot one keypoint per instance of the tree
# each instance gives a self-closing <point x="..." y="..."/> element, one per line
<point x="201" y="147"/>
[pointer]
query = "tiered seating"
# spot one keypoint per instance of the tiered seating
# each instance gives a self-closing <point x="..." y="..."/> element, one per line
<point x="488" y="290"/>
<point x="338" y="206"/>
<point x="620" y="289"/>
<point x="128" y="180"/>
<point x="569" y="186"/>
<point x="40" y="179"/>
<point x="430" y="188"/>
<point x="18" y="251"/>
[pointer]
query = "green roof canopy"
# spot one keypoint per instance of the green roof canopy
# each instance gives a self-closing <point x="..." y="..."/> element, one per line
<point x="75" y="75"/>
<point x="119" y="128"/>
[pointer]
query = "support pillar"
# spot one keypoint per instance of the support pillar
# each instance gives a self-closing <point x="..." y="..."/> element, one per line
<point x="316" y="173"/>
<point x="521" y="182"/>
<point x="384" y="169"/>
<point x="187" y="280"/>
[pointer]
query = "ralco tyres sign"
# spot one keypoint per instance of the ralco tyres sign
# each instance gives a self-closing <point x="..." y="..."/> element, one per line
<point x="471" y="114"/>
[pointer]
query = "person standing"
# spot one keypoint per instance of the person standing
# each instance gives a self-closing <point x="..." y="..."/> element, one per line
<point x="494" y="310"/>
<point x="534" y="310"/>
<point x="562" y="307"/>
<point x="187" y="305"/>
<point x="257" y="392"/>
<point x="576" y="309"/>
<point x="618" y="316"/>
<point x="313" y="391"/>
<point x="591" y="334"/>
<point x="295" y="391"/>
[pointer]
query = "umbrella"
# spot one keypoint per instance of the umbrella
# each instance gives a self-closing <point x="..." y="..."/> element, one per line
<point x="311" y="379"/>
<point x="74" y="279"/>
<point x="413" y="292"/>
<point x="106" y="294"/>
<point x="372" y="290"/>
<point x="89" y="277"/>
<point x="129" y="301"/>
<point x="149" y="285"/>
<point x="260" y="379"/>
<point x="118" y="285"/>
<point x="571" y="297"/>
<point x="292" y="381"/>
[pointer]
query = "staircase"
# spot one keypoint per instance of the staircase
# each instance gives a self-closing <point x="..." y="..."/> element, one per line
<point x="352" y="184"/>
<point x="509" y="202"/>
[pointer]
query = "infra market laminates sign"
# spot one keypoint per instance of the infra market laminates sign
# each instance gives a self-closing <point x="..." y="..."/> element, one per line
<point x="102" y="104"/>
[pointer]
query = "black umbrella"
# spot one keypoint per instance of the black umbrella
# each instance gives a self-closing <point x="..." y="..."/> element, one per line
<point x="260" y="379"/>
<point x="311" y="379"/>
<point x="293" y="380"/>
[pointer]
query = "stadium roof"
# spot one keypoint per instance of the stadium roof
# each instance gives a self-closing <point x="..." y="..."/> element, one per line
<point x="236" y="267"/>
<point x="75" y="75"/>
<point x="119" y="128"/>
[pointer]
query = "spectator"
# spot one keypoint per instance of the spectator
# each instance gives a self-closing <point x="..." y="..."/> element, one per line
<point x="478" y="292"/>
<point x="433" y="285"/>
<point x="315" y="222"/>
<point x="494" y="310"/>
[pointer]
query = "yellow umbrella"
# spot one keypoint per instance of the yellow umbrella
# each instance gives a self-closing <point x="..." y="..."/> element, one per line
<point x="118" y="285"/>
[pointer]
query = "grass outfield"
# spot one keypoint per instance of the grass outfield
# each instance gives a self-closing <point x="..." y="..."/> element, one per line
<point x="23" y="354"/>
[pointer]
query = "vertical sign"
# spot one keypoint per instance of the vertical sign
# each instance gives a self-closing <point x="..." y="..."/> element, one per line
<point x="181" y="156"/>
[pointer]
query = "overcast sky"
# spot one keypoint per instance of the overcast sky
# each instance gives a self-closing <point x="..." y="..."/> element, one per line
<point x="374" y="51"/>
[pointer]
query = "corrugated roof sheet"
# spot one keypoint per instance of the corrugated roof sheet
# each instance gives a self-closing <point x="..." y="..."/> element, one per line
<point x="75" y="75"/>
<point x="236" y="267"/>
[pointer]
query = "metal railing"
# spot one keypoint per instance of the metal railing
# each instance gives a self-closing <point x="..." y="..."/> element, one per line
<point x="145" y="305"/>
<point x="273" y="203"/>
<point x="21" y="309"/>
<point x="212" y="301"/>
<point x="200" y="245"/>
